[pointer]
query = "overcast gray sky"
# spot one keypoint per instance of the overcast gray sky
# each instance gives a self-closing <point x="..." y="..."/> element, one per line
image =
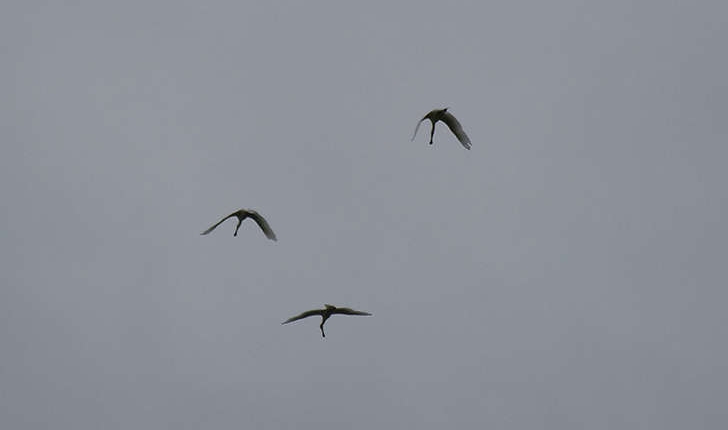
<point x="568" y="272"/>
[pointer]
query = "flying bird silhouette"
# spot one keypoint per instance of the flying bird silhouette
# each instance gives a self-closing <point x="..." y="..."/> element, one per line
<point x="325" y="314"/>
<point x="241" y="215"/>
<point x="446" y="117"/>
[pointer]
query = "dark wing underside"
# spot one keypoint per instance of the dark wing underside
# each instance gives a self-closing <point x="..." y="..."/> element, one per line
<point x="347" y="311"/>
<point x="263" y="224"/>
<point x="303" y="315"/>
<point x="417" y="128"/>
<point x="218" y="223"/>
<point x="456" y="128"/>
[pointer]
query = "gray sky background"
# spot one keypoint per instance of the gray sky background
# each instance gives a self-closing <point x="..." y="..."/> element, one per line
<point x="568" y="272"/>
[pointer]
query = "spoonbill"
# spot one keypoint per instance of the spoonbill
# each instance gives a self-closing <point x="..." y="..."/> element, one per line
<point x="241" y="215"/>
<point x="446" y="117"/>
<point x="325" y="314"/>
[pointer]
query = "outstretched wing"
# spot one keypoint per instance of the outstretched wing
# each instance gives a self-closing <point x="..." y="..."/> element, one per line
<point x="303" y="315"/>
<point x="456" y="128"/>
<point x="347" y="311"/>
<point x="263" y="224"/>
<point x="218" y="223"/>
<point x="417" y="128"/>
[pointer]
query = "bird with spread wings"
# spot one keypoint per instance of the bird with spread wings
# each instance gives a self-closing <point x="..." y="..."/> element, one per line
<point x="446" y="117"/>
<point x="242" y="214"/>
<point x="325" y="314"/>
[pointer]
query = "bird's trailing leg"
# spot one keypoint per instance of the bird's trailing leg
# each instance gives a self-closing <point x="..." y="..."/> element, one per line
<point x="236" y="228"/>
<point x="432" y="132"/>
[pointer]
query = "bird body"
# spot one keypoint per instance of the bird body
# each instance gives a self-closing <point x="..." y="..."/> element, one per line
<point x="242" y="214"/>
<point x="325" y="314"/>
<point x="452" y="123"/>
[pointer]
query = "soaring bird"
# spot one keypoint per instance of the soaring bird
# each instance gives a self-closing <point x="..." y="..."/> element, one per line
<point x="446" y="117"/>
<point x="325" y="314"/>
<point x="241" y="215"/>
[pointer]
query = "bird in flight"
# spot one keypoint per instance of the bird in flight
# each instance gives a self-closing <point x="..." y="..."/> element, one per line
<point x="325" y="314"/>
<point x="446" y="117"/>
<point x="241" y="215"/>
